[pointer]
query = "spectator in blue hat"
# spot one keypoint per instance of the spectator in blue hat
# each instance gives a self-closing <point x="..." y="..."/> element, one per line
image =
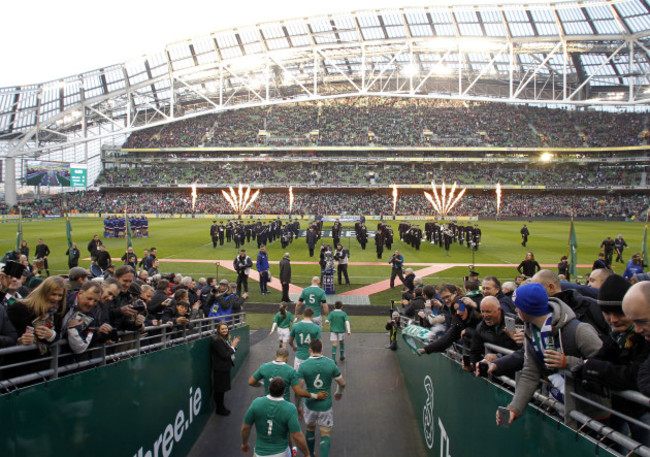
<point x="554" y="341"/>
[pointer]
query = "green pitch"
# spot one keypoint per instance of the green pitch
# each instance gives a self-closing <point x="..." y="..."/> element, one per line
<point x="188" y="239"/>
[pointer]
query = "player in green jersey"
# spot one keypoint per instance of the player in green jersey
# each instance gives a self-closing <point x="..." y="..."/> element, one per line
<point x="279" y="367"/>
<point x="282" y="321"/>
<point x="301" y="335"/>
<point x="317" y="373"/>
<point x="275" y="419"/>
<point x="313" y="296"/>
<point x="339" y="325"/>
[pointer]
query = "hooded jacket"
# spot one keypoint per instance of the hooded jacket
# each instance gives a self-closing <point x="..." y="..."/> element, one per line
<point x="577" y="340"/>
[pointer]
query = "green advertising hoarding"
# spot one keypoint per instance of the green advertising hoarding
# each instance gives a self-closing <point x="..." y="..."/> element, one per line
<point x="456" y="414"/>
<point x="152" y="405"/>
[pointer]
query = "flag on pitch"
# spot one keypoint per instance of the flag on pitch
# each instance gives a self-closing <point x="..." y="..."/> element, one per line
<point x="68" y="234"/>
<point x="129" y="235"/>
<point x="19" y="233"/>
<point x="644" y="246"/>
<point x="573" y="250"/>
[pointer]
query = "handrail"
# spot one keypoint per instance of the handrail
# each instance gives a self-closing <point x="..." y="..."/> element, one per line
<point x="135" y="343"/>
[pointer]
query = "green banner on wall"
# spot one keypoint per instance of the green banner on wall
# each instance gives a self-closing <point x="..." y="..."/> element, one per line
<point x="456" y="414"/>
<point x="153" y="405"/>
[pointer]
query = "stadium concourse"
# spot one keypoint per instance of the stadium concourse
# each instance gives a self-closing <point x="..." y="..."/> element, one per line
<point x="374" y="417"/>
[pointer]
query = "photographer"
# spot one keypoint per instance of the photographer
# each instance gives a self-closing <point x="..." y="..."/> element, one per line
<point x="160" y="299"/>
<point x="341" y="256"/>
<point x="463" y="316"/>
<point x="392" y="326"/>
<point x="397" y="261"/>
<point x="242" y="265"/>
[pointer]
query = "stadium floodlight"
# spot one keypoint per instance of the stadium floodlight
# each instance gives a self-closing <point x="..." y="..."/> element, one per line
<point x="410" y="70"/>
<point x="442" y="70"/>
<point x="546" y="157"/>
<point x="245" y="63"/>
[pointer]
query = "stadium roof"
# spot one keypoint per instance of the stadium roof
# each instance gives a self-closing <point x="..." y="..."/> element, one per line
<point x="579" y="53"/>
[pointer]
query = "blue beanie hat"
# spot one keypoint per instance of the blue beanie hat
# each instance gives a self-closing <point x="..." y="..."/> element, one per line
<point x="532" y="299"/>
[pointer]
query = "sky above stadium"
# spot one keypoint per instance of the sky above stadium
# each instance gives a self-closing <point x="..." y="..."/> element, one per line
<point x="43" y="41"/>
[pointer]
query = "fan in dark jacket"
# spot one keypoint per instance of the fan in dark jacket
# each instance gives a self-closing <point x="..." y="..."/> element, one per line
<point x="157" y="304"/>
<point x="616" y="365"/>
<point x="491" y="330"/>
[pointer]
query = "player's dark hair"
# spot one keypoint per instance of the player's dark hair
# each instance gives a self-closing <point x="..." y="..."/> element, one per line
<point x="308" y="312"/>
<point x="316" y="346"/>
<point x="338" y="304"/>
<point x="283" y="310"/>
<point x="276" y="387"/>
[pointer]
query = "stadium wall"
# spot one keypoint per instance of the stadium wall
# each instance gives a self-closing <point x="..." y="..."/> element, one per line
<point x="456" y="414"/>
<point x="151" y="405"/>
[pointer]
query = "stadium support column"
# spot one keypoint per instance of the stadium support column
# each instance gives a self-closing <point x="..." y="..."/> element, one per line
<point x="10" y="181"/>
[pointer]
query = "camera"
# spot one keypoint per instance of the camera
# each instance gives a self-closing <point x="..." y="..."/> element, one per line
<point x="13" y="269"/>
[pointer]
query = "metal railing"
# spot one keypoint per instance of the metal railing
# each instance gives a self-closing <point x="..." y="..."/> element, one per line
<point x="580" y="421"/>
<point x="30" y="367"/>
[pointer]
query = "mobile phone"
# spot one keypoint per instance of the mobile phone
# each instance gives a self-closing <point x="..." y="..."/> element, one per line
<point x="29" y="329"/>
<point x="461" y="306"/>
<point x="483" y="369"/>
<point x="504" y="417"/>
<point x="466" y="361"/>
<point x="510" y="324"/>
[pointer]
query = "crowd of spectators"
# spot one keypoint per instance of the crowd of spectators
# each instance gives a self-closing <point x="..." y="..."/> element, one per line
<point x="340" y="173"/>
<point x="84" y="312"/>
<point x="370" y="203"/>
<point x="586" y="339"/>
<point x="401" y="122"/>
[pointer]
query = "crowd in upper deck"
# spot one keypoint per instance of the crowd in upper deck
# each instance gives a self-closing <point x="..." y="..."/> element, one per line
<point x="401" y="122"/>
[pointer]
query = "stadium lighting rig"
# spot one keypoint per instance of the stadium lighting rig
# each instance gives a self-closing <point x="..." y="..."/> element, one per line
<point x="444" y="203"/>
<point x="241" y="200"/>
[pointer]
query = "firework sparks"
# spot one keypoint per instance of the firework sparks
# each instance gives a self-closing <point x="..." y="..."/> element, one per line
<point x="394" y="199"/>
<point x="498" y="198"/>
<point x="444" y="203"/>
<point x="241" y="200"/>
<point x="290" y="200"/>
<point x="193" y="197"/>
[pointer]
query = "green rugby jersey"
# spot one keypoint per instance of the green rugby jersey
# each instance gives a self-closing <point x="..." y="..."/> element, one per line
<point x="274" y="420"/>
<point x="319" y="373"/>
<point x="273" y="369"/>
<point x="337" y="319"/>
<point x="283" y="323"/>
<point x="302" y="333"/>
<point x="313" y="296"/>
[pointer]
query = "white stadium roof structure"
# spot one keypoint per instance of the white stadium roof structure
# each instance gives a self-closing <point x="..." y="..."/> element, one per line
<point x="588" y="53"/>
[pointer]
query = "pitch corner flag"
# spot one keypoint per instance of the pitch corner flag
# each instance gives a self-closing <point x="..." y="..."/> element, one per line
<point x="573" y="250"/>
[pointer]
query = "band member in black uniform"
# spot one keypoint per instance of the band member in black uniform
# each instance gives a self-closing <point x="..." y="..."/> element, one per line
<point x="214" y="234"/>
<point x="524" y="235"/>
